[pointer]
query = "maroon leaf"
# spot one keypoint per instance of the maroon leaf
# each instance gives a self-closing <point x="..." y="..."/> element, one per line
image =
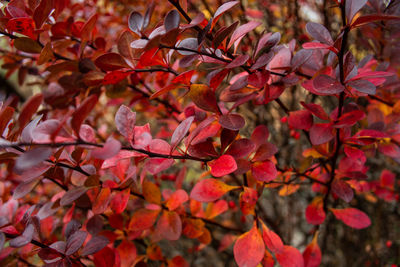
<point x="238" y="61"/>
<point x="24" y="188"/>
<point x="75" y="242"/>
<point x="94" y="245"/>
<point x="241" y="148"/>
<point x="110" y="62"/>
<point x="370" y="18"/>
<point x="350" y="118"/>
<point x="321" y="133"/>
<point x="300" y="119"/>
<point x="42" y="12"/>
<point x="316" y="109"/>
<point x="260" y="135"/>
<point x="240" y="32"/>
<point x="82" y="112"/>
<point x="342" y="190"/>
<point x="265" y="151"/>
<point x="181" y="131"/>
<point x="29" y="109"/>
<point x="326" y="85"/>
<point x="203" y="97"/>
<point x="232" y="122"/>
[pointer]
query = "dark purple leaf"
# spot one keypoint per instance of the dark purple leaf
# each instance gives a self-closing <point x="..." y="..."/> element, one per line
<point x="238" y="61"/>
<point x="95" y="244"/>
<point x="31" y="159"/>
<point x="352" y="7"/>
<point x="300" y="57"/>
<point x="24" y="188"/>
<point x="342" y="190"/>
<point x="75" y="242"/>
<point x="188" y="43"/>
<point x="94" y="225"/>
<point x="135" y="22"/>
<point x="171" y="20"/>
<point x="363" y="86"/>
<point x="59" y="246"/>
<point x="23" y="239"/>
<point x="72" y="195"/>
<point x="319" y="33"/>
<point x="72" y="227"/>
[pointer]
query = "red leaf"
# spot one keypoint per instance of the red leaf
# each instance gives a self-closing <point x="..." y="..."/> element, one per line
<point x="120" y="201"/>
<point x="264" y="171"/>
<point x="300" y="119"/>
<point x="184" y="77"/>
<point x="25" y="26"/>
<point x="82" y="112"/>
<point x="169" y="226"/>
<point x="217" y="77"/>
<point x="127" y="252"/>
<point x="316" y="109"/>
<point x="177" y="199"/>
<point x="224" y="165"/>
<point x="216" y="208"/>
<point x="312" y="254"/>
<point x="319" y="33"/>
<point x="181" y="131"/>
<point x="88" y="27"/>
<point x="110" y="62"/>
<point x="31" y="159"/>
<point x="326" y="85"/>
<point x="352" y="217"/>
<point x="315" y="213"/>
<point x="271" y="239"/>
<point x="42" y="12"/>
<point x="290" y="257"/>
<point x="342" y="190"/>
<point x="115" y="77"/>
<point x="249" y="248"/>
<point x="208" y="190"/>
<point x="94" y="245"/>
<point x="350" y="118"/>
<point x="321" y="133"/>
<point x="104" y="258"/>
<point x="74" y="242"/>
<point x="203" y="97"/>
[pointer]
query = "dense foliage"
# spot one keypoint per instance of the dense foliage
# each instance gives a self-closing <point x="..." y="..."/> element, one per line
<point x="190" y="133"/>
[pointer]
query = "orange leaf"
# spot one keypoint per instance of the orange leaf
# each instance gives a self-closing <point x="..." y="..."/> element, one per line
<point x="208" y="190"/>
<point x="102" y="201"/>
<point x="216" y="208"/>
<point x="177" y="198"/>
<point x="249" y="248"/>
<point x="127" y="253"/>
<point x="151" y="192"/>
<point x="143" y="219"/>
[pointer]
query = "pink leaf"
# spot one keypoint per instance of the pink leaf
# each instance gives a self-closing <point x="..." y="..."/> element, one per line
<point x="290" y="257"/>
<point x="181" y="131"/>
<point x="109" y="150"/>
<point x="125" y="120"/>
